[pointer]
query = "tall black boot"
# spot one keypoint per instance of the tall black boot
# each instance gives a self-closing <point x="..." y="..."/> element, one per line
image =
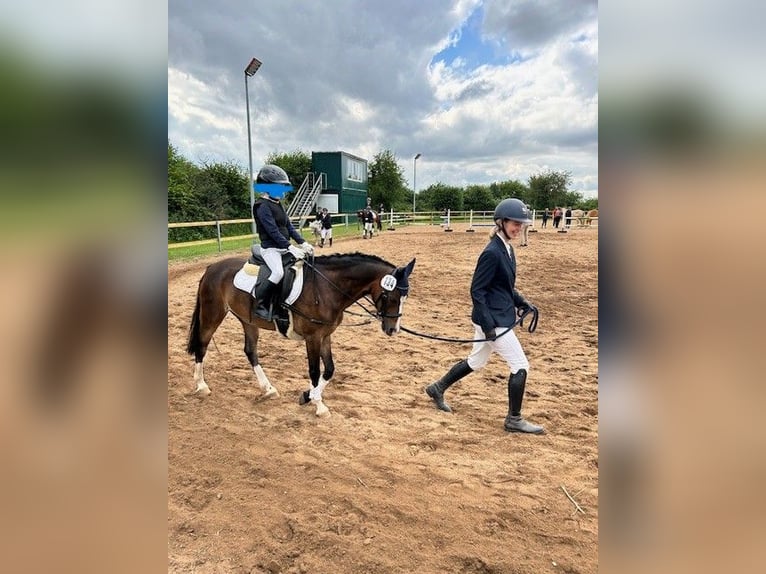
<point x="436" y="390"/>
<point x="514" y="422"/>
<point x="264" y="293"/>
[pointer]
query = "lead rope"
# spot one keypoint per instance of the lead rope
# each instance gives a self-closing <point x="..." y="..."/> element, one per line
<point x="520" y="321"/>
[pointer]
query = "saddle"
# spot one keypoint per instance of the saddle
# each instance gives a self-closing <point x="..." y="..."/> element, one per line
<point x="285" y="286"/>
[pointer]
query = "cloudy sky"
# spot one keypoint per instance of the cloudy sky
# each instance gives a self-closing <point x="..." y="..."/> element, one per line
<point x="485" y="90"/>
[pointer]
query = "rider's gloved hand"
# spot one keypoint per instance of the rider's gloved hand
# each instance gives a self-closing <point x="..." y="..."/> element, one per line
<point x="490" y="335"/>
<point x="297" y="253"/>
<point x="307" y="248"/>
<point x="525" y="306"/>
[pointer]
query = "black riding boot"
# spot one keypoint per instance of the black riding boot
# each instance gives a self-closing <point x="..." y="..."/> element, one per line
<point x="514" y="422"/>
<point x="436" y="390"/>
<point x="264" y="293"/>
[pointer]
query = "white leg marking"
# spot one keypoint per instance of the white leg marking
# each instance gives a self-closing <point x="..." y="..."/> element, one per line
<point x="202" y="389"/>
<point x="315" y="394"/>
<point x="322" y="410"/>
<point x="263" y="381"/>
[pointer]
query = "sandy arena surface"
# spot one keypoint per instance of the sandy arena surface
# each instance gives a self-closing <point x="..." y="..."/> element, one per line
<point x="388" y="484"/>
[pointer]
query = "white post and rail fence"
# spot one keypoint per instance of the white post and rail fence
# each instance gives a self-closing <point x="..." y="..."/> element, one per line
<point x="445" y="219"/>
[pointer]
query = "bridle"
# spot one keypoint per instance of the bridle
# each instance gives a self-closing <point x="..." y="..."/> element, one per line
<point x="381" y="301"/>
<point x="388" y="284"/>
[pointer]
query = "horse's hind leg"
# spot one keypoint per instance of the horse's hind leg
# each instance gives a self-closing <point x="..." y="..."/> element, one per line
<point x="208" y="315"/>
<point x="251" y="350"/>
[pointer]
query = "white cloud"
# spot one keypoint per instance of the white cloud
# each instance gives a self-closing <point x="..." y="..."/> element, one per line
<point x="357" y="78"/>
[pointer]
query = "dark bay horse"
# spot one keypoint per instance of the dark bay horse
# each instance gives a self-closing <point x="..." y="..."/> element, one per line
<point x="331" y="284"/>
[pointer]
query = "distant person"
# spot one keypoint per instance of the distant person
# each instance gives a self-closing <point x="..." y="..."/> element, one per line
<point x="381" y="209"/>
<point x="568" y="217"/>
<point x="368" y="219"/>
<point x="546" y="215"/>
<point x="326" y="230"/>
<point x="525" y="232"/>
<point x="557" y="217"/>
<point x="496" y="303"/>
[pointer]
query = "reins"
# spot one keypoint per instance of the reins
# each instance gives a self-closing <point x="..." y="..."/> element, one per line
<point x="376" y="315"/>
<point x="520" y="321"/>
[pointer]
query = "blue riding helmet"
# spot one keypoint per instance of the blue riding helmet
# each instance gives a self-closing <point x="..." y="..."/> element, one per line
<point x="513" y="209"/>
<point x="273" y="180"/>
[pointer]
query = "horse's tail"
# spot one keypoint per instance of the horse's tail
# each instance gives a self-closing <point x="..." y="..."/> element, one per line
<point x="195" y="343"/>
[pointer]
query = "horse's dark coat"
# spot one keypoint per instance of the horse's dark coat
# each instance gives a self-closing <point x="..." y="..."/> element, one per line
<point x="331" y="284"/>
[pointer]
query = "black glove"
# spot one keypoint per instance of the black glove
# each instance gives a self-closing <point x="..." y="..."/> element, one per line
<point x="525" y="306"/>
<point x="490" y="335"/>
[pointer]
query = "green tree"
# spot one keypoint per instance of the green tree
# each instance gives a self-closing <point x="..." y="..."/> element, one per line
<point x="478" y="198"/>
<point x="222" y="190"/>
<point x="182" y="202"/>
<point x="439" y="196"/>
<point x="549" y="189"/>
<point x="510" y="188"/>
<point x="590" y="203"/>
<point x="385" y="180"/>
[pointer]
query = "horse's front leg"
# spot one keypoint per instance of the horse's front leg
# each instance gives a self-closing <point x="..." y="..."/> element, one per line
<point x="317" y="348"/>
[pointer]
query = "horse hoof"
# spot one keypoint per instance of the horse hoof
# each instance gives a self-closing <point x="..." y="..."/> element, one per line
<point x="202" y="391"/>
<point x="303" y="398"/>
<point x="322" y="411"/>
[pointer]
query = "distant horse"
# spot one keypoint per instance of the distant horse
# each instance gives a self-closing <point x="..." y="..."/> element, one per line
<point x="330" y="284"/>
<point x="316" y="231"/>
<point x="590" y="216"/>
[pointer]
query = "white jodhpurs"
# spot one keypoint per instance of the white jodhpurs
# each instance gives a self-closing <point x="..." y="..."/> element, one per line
<point x="507" y="346"/>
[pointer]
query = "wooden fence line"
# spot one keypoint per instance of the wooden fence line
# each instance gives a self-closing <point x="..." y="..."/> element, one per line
<point x="389" y="218"/>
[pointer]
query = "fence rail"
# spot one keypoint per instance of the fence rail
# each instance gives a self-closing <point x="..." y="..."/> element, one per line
<point x="390" y="219"/>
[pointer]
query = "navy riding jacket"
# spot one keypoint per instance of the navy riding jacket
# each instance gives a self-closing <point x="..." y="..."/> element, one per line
<point x="492" y="289"/>
<point x="273" y="225"/>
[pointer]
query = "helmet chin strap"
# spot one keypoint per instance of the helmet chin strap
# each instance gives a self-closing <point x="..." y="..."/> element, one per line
<point x="502" y="228"/>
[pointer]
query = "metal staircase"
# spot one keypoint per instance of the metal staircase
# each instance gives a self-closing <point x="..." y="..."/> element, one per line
<point x="306" y="198"/>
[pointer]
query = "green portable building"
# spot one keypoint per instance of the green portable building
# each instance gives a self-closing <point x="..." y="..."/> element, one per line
<point x="346" y="180"/>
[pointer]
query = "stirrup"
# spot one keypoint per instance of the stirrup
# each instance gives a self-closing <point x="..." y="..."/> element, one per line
<point x="264" y="313"/>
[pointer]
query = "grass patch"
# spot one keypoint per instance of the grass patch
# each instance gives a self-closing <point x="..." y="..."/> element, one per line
<point x="242" y="246"/>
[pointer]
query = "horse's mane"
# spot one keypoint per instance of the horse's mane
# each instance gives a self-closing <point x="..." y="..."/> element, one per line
<point x="337" y="260"/>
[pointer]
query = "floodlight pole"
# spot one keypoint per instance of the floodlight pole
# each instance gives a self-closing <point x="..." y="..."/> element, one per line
<point x="251" y="69"/>
<point x="414" y="184"/>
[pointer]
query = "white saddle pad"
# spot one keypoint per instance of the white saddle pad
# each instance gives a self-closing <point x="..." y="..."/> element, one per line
<point x="246" y="278"/>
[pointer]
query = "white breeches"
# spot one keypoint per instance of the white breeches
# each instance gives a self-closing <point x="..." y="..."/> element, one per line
<point x="507" y="346"/>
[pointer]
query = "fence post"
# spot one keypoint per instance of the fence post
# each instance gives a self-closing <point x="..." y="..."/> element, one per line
<point x="470" y="223"/>
<point x="218" y="233"/>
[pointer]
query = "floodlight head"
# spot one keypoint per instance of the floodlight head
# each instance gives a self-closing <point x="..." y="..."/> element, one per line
<point x="252" y="67"/>
<point x="417" y="156"/>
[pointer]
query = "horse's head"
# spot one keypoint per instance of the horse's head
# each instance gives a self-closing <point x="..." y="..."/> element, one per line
<point x="391" y="294"/>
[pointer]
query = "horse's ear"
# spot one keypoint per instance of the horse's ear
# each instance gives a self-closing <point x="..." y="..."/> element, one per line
<point x="409" y="268"/>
